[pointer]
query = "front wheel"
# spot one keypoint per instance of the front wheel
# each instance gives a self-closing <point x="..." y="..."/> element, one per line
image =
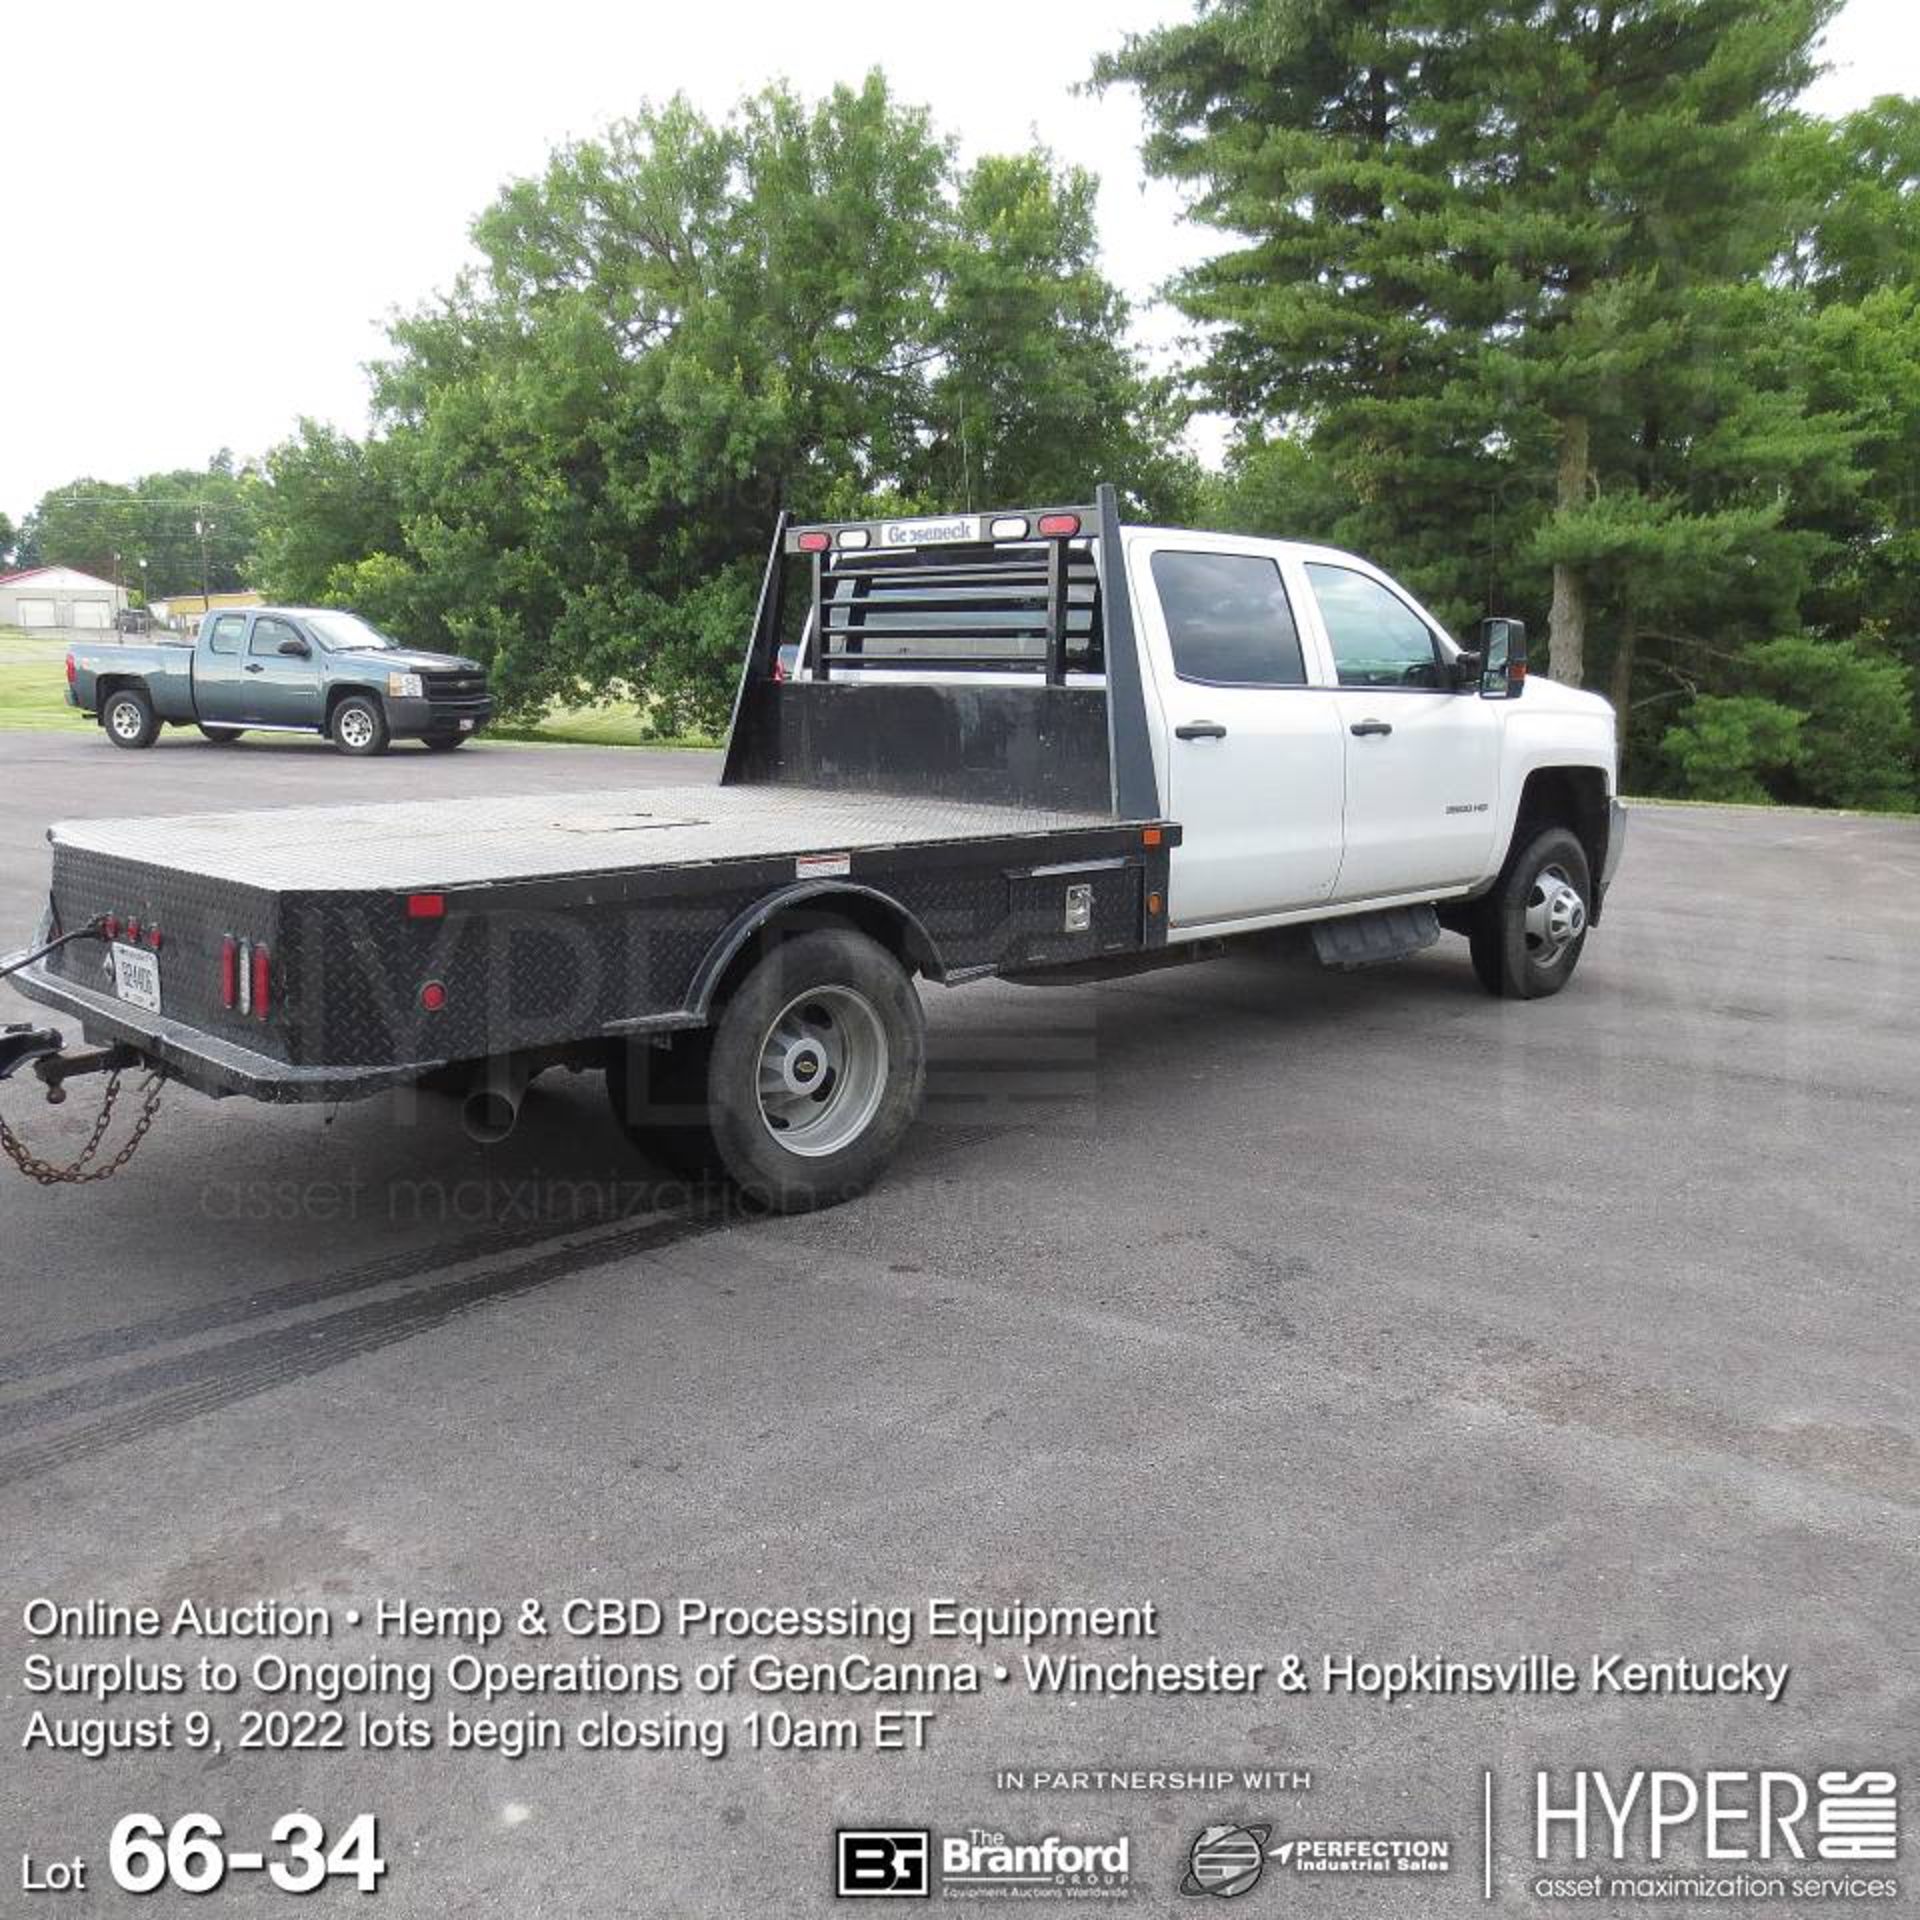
<point x="129" y="719"/>
<point x="359" y="725"/>
<point x="1528" y="933"/>
<point x="812" y="1075"/>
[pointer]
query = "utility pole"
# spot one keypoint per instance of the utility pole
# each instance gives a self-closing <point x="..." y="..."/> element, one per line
<point x="203" y="528"/>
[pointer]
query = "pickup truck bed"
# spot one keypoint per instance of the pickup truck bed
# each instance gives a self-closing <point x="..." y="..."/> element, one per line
<point x="399" y="937"/>
<point x="615" y="833"/>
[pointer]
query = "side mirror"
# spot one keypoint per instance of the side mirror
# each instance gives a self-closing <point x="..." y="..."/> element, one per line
<point x="1503" y="659"/>
<point x="296" y="649"/>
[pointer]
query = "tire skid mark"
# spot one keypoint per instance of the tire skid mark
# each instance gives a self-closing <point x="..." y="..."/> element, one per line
<point x="172" y="1392"/>
<point x="236" y="1309"/>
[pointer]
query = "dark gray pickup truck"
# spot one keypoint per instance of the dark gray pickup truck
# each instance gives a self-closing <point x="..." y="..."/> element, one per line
<point x="282" y="670"/>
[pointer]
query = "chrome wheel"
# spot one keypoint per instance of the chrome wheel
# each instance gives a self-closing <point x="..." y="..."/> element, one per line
<point x="356" y="728"/>
<point x="1555" y="917"/>
<point x="126" y="720"/>
<point x="822" y="1071"/>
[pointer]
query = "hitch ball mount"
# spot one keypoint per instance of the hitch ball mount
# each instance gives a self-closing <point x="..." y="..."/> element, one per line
<point x="43" y="1049"/>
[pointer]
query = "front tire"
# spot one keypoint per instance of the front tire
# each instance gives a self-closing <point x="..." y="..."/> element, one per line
<point x="812" y="1076"/>
<point x="444" y="742"/>
<point x="359" y="726"/>
<point x="129" y="720"/>
<point x="1527" y="935"/>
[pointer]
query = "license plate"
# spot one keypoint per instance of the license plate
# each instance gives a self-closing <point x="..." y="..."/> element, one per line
<point x="466" y="726"/>
<point x="136" y="977"/>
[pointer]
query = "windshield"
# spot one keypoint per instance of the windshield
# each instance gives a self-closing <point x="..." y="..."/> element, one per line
<point x="348" y="633"/>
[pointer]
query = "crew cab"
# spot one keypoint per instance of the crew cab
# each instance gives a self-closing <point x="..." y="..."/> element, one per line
<point x="1038" y="745"/>
<point x="282" y="670"/>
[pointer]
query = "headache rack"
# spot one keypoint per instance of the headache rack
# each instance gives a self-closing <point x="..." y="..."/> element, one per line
<point x="979" y="656"/>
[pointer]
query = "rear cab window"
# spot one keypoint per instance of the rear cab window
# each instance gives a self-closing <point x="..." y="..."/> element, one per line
<point x="226" y="632"/>
<point x="1229" y="622"/>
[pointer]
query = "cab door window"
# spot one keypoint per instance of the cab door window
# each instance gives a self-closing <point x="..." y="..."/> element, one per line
<point x="267" y="637"/>
<point x="227" y="631"/>
<point x="1228" y="620"/>
<point x="1377" y="639"/>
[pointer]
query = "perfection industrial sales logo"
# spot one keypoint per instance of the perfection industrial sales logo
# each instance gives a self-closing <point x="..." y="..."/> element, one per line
<point x="982" y="1863"/>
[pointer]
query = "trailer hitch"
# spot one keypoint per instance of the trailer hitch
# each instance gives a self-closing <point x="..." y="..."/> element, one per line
<point x="21" y="1044"/>
<point x="43" y="1048"/>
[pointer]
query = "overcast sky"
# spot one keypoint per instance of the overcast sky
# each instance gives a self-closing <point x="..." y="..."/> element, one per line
<point x="211" y="208"/>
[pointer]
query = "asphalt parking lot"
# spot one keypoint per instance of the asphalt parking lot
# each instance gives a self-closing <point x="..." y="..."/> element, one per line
<point x="1326" y="1311"/>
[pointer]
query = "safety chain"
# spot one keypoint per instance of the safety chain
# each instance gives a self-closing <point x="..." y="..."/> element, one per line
<point x="79" y="1171"/>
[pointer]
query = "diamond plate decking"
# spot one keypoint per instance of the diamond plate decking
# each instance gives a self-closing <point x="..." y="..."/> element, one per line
<point x="451" y="843"/>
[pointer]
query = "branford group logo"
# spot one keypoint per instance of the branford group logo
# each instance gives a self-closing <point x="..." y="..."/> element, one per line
<point x="896" y="1863"/>
<point x="1849" y="1817"/>
<point x="883" y="1863"/>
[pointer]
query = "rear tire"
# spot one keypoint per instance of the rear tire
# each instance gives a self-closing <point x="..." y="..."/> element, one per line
<point x="359" y="726"/>
<point x="1528" y="933"/>
<point x="221" y="736"/>
<point x="444" y="742"/>
<point x="811" y="1076"/>
<point x="128" y="719"/>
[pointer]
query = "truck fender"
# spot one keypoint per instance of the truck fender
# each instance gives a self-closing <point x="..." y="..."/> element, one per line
<point x="869" y="909"/>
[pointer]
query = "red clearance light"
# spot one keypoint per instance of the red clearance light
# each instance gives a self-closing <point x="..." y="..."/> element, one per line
<point x="153" y="938"/>
<point x="110" y="926"/>
<point x="133" y="931"/>
<point x="426" y="906"/>
<point x="262" y="983"/>
<point x="1055" y="526"/>
<point x="229" y="973"/>
<point x="433" y="996"/>
<point x="814" y="543"/>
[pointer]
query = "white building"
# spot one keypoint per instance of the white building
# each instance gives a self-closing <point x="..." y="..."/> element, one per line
<point x="58" y="597"/>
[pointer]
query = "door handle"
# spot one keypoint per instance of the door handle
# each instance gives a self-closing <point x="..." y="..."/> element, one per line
<point x="1200" y="730"/>
<point x="1365" y="727"/>
<point x="254" y="666"/>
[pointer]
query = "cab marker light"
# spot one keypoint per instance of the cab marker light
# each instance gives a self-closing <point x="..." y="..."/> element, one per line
<point x="1055" y="526"/>
<point x="855" y="537"/>
<point x="814" y="542"/>
<point x="1011" y="526"/>
<point x="426" y="906"/>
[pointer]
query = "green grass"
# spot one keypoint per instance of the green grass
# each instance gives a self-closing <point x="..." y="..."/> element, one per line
<point x="36" y="695"/>
<point x="620" y="724"/>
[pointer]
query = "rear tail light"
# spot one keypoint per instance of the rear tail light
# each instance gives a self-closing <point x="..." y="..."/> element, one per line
<point x="229" y="973"/>
<point x="262" y="983"/>
<point x="426" y="906"/>
<point x="72" y="671"/>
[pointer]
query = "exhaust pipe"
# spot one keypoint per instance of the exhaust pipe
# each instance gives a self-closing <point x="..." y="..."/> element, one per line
<point x="491" y="1110"/>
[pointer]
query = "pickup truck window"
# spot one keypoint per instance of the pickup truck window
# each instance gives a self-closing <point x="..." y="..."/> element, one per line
<point x="226" y="633"/>
<point x="1378" y="640"/>
<point x="267" y="636"/>
<point x="1229" y="620"/>
<point x="348" y="633"/>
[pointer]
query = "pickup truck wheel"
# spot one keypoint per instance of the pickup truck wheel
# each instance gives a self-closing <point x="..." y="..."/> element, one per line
<point x="129" y="719"/>
<point x="444" y="742"/>
<point x="1527" y="934"/>
<point x="818" y="1065"/>
<point x="222" y="736"/>
<point x="359" y="725"/>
